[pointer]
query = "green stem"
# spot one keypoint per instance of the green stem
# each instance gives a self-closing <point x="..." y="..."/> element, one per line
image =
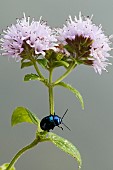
<point x="37" y="69"/>
<point x="65" y="74"/>
<point x="16" y="157"/>
<point x="51" y="97"/>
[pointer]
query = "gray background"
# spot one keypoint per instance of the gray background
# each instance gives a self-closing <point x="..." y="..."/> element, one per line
<point x="91" y="129"/>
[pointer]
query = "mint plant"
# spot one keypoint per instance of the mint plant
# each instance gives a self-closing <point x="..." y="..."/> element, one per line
<point x="34" y="43"/>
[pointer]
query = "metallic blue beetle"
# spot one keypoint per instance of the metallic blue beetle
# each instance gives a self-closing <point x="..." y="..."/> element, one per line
<point x="49" y="122"/>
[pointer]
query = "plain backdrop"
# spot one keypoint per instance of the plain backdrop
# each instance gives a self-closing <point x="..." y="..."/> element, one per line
<point x="91" y="128"/>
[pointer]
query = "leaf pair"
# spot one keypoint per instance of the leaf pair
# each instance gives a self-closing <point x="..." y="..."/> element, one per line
<point x="29" y="77"/>
<point x="22" y="114"/>
<point x="42" y="62"/>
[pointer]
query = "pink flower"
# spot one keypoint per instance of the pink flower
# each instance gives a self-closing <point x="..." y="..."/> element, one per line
<point x="36" y="34"/>
<point x="87" y="40"/>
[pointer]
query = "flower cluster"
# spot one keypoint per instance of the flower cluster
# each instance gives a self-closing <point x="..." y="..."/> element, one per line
<point x="36" y="34"/>
<point x="80" y="39"/>
<point x="87" y="42"/>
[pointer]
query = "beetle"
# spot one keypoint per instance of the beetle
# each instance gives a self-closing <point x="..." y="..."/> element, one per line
<point x="49" y="122"/>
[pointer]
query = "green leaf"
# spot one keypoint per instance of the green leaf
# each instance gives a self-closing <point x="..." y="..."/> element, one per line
<point x="73" y="90"/>
<point x="32" y="76"/>
<point x="21" y="114"/>
<point x="66" y="146"/>
<point x="4" y="166"/>
<point x="26" y="64"/>
<point x="60" y="63"/>
<point x="59" y="56"/>
<point x="42" y="62"/>
<point x="33" y="117"/>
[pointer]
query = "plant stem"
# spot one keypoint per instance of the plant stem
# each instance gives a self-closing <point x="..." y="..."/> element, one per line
<point x="16" y="157"/>
<point x="51" y="97"/>
<point x="65" y="74"/>
<point x="37" y="69"/>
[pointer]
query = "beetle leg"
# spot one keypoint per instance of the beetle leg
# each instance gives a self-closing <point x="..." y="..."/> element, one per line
<point x="60" y="127"/>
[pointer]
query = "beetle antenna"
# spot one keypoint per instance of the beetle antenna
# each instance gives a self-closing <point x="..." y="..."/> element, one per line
<point x="66" y="126"/>
<point x="64" y="115"/>
<point x="62" y="119"/>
